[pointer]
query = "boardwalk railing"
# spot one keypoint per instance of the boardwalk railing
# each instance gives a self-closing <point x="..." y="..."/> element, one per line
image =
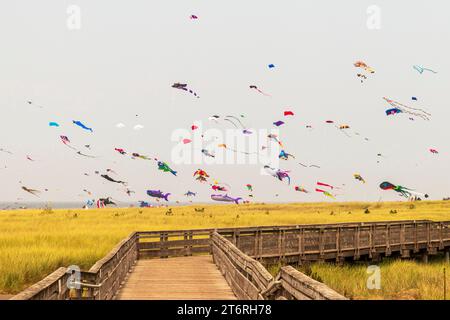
<point x="249" y="280"/>
<point x="265" y="245"/>
<point x="246" y="276"/>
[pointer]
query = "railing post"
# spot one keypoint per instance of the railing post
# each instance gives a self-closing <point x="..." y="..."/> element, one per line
<point x="338" y="245"/>
<point x="321" y="243"/>
<point x="388" y="240"/>
<point x="416" y="240"/>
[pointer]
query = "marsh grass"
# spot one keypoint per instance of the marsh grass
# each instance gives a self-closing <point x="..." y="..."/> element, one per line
<point x="33" y="243"/>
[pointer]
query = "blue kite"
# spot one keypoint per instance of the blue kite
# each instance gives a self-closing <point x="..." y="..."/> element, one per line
<point x="80" y="124"/>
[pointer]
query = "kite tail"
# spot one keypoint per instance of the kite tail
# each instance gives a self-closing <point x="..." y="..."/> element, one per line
<point x="166" y="196"/>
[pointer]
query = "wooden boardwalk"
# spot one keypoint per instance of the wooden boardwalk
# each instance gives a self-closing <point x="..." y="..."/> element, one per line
<point x="180" y="278"/>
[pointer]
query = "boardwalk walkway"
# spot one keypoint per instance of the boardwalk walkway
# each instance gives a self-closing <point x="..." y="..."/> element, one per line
<point x="180" y="278"/>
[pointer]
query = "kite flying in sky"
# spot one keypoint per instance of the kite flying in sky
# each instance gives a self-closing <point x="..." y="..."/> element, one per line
<point x="183" y="86"/>
<point x="422" y="69"/>
<point x="256" y="88"/>
<point x="398" y="108"/>
<point x="81" y="125"/>
<point x="105" y="176"/>
<point x="358" y="177"/>
<point x="365" y="67"/>
<point x="326" y="193"/>
<point x="32" y="191"/>
<point x="165" y="167"/>
<point x="225" y="198"/>
<point x="158" y="194"/>
<point x="284" y="155"/>
<point x="278" y="173"/>
<point x="275" y="137"/>
<point x="278" y="123"/>
<point x="403" y="191"/>
<point x="301" y="189"/>
<point x="201" y="175"/>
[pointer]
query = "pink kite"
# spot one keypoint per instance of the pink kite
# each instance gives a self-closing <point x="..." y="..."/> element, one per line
<point x="186" y="141"/>
<point x="325" y="185"/>
<point x="193" y="127"/>
<point x="434" y="151"/>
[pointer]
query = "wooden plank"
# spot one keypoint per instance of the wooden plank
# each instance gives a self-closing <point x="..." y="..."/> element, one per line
<point x="185" y="278"/>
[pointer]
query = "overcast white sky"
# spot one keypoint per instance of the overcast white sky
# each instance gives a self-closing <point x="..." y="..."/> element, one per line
<point x="127" y="54"/>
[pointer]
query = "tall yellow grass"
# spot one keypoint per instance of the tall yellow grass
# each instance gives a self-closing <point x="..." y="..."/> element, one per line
<point x="34" y="242"/>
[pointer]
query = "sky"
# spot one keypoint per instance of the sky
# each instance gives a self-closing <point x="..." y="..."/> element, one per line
<point x="118" y="65"/>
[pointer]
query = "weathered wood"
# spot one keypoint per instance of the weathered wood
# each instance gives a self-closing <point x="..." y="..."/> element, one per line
<point x="292" y="244"/>
<point x="180" y="278"/>
<point x="301" y="287"/>
<point x="52" y="287"/>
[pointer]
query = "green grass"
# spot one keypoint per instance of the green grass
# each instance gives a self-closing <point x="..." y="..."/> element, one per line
<point x="33" y="243"/>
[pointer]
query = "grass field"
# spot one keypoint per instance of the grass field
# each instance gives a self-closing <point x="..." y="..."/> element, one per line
<point x="33" y="243"/>
<point x="399" y="279"/>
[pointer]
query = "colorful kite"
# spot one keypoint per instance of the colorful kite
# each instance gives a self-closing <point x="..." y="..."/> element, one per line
<point x="284" y="155"/>
<point x="301" y="189"/>
<point x="393" y="111"/>
<point x="183" y="86"/>
<point x="249" y="187"/>
<point x="365" y="67"/>
<point x="325" y="185"/>
<point x="403" y="108"/>
<point x="137" y="155"/>
<point x="325" y="193"/>
<point x="434" y="151"/>
<point x="103" y="202"/>
<point x="358" y="177"/>
<point x="81" y="125"/>
<point x="278" y="173"/>
<point x="66" y="141"/>
<point x="53" y="124"/>
<point x="201" y="175"/>
<point x="225" y="198"/>
<point x="217" y="187"/>
<point x="165" y="168"/>
<point x="288" y="113"/>
<point x="275" y="137"/>
<point x="158" y="194"/>
<point x="403" y="191"/>
<point x="121" y="151"/>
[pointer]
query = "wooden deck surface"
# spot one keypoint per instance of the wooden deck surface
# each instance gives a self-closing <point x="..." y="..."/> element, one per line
<point x="181" y="278"/>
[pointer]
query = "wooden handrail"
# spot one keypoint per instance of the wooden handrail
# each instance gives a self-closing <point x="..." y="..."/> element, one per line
<point x="290" y="243"/>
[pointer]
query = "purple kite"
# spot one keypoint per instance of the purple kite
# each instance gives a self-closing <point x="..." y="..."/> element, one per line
<point x="225" y="198"/>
